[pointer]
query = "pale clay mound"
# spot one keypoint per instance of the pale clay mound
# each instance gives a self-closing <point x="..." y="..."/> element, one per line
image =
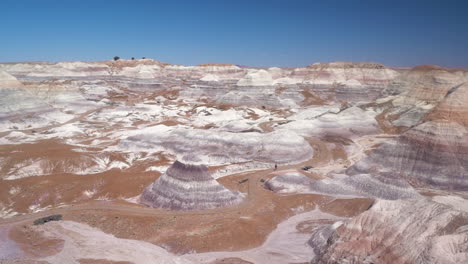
<point x="216" y="148"/>
<point x="343" y="186"/>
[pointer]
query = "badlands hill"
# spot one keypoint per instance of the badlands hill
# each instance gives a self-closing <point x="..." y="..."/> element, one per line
<point x="188" y="187"/>
<point x="330" y="162"/>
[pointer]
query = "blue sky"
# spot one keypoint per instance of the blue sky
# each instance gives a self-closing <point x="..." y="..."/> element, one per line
<point x="245" y="32"/>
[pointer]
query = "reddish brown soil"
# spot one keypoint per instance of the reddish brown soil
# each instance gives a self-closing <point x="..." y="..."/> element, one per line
<point x="247" y="225"/>
<point x="68" y="188"/>
<point x="231" y="261"/>
<point x="338" y="153"/>
<point x="102" y="261"/>
<point x="384" y="122"/>
<point x="347" y="207"/>
<point x="309" y="226"/>
<point x="23" y="261"/>
<point x="280" y="89"/>
<point x="58" y="188"/>
<point x="337" y="139"/>
<point x="311" y="99"/>
<point x="33" y="243"/>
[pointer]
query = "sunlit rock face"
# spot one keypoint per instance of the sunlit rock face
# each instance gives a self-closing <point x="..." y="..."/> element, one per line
<point x="404" y="231"/>
<point x="188" y="187"/>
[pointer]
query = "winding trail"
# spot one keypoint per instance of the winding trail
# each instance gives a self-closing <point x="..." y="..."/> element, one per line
<point x="320" y="157"/>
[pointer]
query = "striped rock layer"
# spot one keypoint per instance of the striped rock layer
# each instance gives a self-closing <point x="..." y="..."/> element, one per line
<point x="431" y="154"/>
<point x="454" y="107"/>
<point x="188" y="187"/>
<point x="361" y="185"/>
<point x="396" y="232"/>
<point x="421" y="88"/>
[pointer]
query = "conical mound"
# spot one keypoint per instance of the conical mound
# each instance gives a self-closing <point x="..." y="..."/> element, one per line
<point x="188" y="187"/>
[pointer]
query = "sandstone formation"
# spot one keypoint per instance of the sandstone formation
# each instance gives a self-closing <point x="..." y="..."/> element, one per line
<point x="188" y="187"/>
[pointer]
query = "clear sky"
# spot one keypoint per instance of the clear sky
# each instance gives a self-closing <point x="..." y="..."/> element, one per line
<point x="245" y="32"/>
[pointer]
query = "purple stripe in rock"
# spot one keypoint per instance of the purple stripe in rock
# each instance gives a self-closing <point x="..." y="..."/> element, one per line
<point x="188" y="187"/>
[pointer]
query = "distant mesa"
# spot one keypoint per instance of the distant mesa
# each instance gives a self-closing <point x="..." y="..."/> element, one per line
<point x="132" y="63"/>
<point x="347" y="65"/>
<point x="215" y="64"/>
<point x="188" y="187"/>
<point x="428" y="67"/>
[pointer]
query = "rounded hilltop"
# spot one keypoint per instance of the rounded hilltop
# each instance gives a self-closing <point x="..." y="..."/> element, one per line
<point x="187" y="186"/>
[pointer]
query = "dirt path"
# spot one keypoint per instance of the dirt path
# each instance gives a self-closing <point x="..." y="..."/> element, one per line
<point x="253" y="187"/>
<point x="320" y="157"/>
<point x="320" y="161"/>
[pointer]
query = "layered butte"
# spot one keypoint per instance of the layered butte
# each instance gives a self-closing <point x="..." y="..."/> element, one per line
<point x="188" y="187"/>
